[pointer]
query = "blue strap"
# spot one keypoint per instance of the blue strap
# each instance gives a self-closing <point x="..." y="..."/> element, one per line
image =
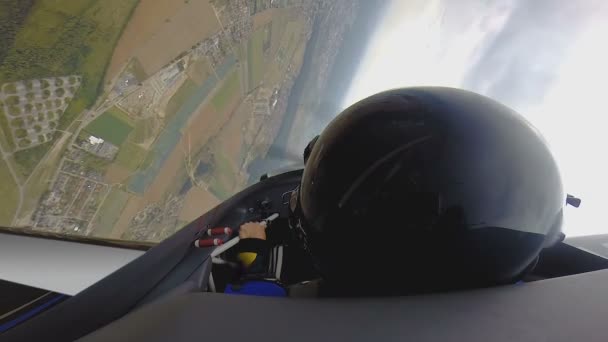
<point x="31" y="313"/>
<point x="256" y="288"/>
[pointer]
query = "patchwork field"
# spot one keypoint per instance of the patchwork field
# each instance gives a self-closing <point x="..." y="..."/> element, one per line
<point x="194" y="124"/>
<point x="112" y="126"/>
<point x="185" y="91"/>
<point x="171" y="135"/>
<point x="178" y="98"/>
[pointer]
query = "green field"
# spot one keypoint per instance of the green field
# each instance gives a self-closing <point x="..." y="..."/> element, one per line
<point x="10" y="195"/>
<point x="110" y="212"/>
<point x="255" y="58"/>
<point x="285" y="47"/>
<point x="95" y="163"/>
<point x="150" y="157"/>
<point x="130" y="156"/>
<point x="219" y="190"/>
<point x="227" y="92"/>
<point x="187" y="89"/>
<point x="144" y="130"/>
<point x="279" y="22"/>
<point x="199" y="71"/>
<point x="138" y="70"/>
<point x="223" y="179"/>
<point x="6" y="137"/>
<point x="240" y="53"/>
<point x="28" y="159"/>
<point x="293" y="30"/>
<point x="113" y="126"/>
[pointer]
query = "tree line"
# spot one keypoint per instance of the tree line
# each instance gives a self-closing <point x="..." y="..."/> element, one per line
<point x="63" y="58"/>
<point x="12" y="16"/>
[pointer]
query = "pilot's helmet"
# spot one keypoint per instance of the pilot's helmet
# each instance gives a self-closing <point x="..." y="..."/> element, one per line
<point x="427" y="189"/>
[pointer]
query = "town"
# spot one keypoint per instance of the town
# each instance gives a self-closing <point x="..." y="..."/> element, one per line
<point x="154" y="151"/>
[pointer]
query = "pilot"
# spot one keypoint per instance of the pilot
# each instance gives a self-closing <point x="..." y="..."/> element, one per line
<point x="425" y="189"/>
<point x="254" y="254"/>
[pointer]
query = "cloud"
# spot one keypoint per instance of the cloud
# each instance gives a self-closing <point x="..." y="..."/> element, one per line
<point x="522" y="62"/>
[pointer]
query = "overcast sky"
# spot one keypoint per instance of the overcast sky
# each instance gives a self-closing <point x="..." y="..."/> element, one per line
<point x="545" y="58"/>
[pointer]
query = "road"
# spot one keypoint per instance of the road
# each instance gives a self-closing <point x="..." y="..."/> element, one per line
<point x="5" y="156"/>
<point x="51" y="154"/>
<point x="87" y="117"/>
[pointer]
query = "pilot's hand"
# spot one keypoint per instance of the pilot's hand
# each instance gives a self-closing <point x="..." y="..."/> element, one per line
<point x="253" y="230"/>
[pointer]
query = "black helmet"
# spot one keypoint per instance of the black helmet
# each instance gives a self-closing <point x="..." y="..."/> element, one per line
<point x="427" y="189"/>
